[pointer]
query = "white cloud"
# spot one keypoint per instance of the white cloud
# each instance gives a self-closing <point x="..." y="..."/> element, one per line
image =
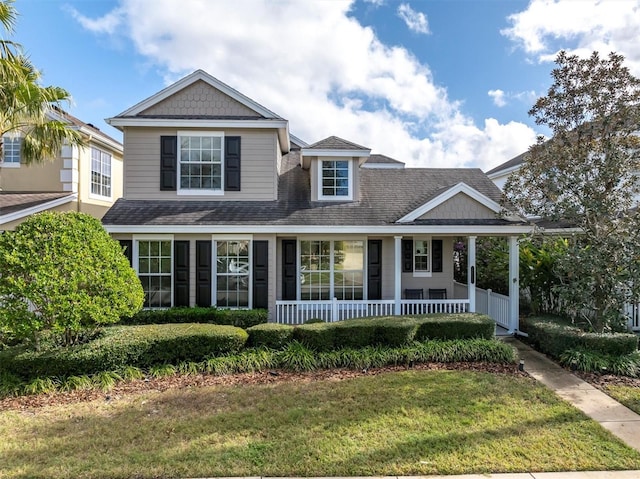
<point x="416" y="21"/>
<point x="108" y="23"/>
<point x="580" y="27"/>
<point x="498" y="97"/>
<point x="324" y="72"/>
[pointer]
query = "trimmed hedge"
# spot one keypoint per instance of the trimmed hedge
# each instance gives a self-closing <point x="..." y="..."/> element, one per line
<point x="241" y="318"/>
<point x="139" y="346"/>
<point x="554" y="336"/>
<point x="455" y="326"/>
<point x="393" y="331"/>
<point x="270" y="335"/>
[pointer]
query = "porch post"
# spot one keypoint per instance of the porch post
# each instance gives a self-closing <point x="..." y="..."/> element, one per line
<point x="514" y="285"/>
<point x="398" y="274"/>
<point x="471" y="272"/>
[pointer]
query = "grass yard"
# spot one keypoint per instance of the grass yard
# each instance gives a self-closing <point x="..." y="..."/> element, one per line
<point x="627" y="395"/>
<point x="402" y="423"/>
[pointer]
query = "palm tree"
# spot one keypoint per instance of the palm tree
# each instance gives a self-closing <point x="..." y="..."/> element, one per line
<point x="27" y="109"/>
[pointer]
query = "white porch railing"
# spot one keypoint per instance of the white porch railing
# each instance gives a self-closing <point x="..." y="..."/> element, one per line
<point x="492" y="304"/>
<point x="298" y="312"/>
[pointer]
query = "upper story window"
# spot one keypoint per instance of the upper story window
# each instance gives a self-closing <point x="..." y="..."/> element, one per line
<point x="11" y="146"/>
<point x="200" y="161"/>
<point x="100" y="173"/>
<point x="336" y="181"/>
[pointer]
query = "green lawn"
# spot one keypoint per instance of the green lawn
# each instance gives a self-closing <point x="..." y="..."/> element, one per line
<point x="627" y="395"/>
<point x="403" y="423"/>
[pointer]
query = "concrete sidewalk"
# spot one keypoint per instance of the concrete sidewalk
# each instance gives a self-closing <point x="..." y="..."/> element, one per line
<point x="613" y="416"/>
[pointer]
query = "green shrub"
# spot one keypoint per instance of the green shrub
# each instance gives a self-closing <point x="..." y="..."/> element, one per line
<point x="241" y="318"/>
<point x="295" y="357"/>
<point x="455" y="326"/>
<point x="354" y="333"/>
<point x="270" y="335"/>
<point x="315" y="336"/>
<point x="554" y="336"/>
<point x="121" y="346"/>
<point x="595" y="362"/>
<point x="394" y="332"/>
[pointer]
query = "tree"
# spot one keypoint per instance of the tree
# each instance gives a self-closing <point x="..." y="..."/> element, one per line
<point x="586" y="175"/>
<point x="63" y="272"/>
<point x="28" y="109"/>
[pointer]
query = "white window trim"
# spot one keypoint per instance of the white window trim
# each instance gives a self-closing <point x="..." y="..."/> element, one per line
<point x="200" y="192"/>
<point x="423" y="274"/>
<point x="136" y="258"/>
<point x="11" y="164"/>
<point x="214" y="269"/>
<point x="365" y="272"/>
<point x="97" y="196"/>
<point x="322" y="197"/>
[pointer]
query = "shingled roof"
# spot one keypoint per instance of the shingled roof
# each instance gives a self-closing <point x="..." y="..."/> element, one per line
<point x="335" y="143"/>
<point x="386" y="195"/>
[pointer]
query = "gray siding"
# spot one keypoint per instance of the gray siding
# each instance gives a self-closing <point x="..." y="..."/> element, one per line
<point x="142" y="165"/>
<point x="199" y="99"/>
<point x="460" y="206"/>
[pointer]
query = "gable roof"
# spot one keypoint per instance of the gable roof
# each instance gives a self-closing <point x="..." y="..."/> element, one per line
<point x="382" y="161"/>
<point x="508" y="166"/>
<point x="336" y="143"/>
<point x="386" y="195"/>
<point x="199" y="75"/>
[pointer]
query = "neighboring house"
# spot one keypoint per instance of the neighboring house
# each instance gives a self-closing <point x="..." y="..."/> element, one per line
<point x="223" y="206"/>
<point x="500" y="173"/>
<point x="87" y="179"/>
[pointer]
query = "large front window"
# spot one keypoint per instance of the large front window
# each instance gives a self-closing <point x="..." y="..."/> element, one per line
<point x="232" y="273"/>
<point x="100" y="173"/>
<point x="11" y="146"/>
<point x="200" y="161"/>
<point x="154" y="271"/>
<point x="335" y="181"/>
<point x="331" y="269"/>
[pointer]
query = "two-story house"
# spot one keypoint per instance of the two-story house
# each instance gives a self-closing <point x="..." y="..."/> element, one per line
<point x="86" y="179"/>
<point x="223" y="206"/>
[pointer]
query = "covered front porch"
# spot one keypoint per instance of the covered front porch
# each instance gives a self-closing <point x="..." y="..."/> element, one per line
<point x="413" y="294"/>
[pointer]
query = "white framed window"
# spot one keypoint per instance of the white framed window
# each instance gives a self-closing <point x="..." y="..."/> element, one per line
<point x="335" y="180"/>
<point x="422" y="256"/>
<point x="233" y="273"/>
<point x="200" y="162"/>
<point x="11" y="148"/>
<point x="153" y="261"/>
<point x="100" y="173"/>
<point x="331" y="269"/>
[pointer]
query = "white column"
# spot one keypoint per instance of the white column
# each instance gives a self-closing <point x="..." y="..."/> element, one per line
<point x="471" y="272"/>
<point x="514" y="284"/>
<point x="397" y="294"/>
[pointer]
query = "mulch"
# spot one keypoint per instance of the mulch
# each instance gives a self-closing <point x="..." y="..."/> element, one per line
<point x="135" y="387"/>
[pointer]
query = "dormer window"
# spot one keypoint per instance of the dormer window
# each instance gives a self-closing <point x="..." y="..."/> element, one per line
<point x="200" y="163"/>
<point x="335" y="180"/>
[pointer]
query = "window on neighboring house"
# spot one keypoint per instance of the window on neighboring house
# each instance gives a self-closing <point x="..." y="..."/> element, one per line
<point x="100" y="173"/>
<point x="154" y="271"/>
<point x="421" y="257"/>
<point x="200" y="161"/>
<point x="11" y="146"/>
<point x="335" y="180"/>
<point x="232" y="273"/>
<point x="331" y="269"/>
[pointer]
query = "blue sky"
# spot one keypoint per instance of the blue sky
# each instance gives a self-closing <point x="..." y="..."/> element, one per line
<point x="433" y="83"/>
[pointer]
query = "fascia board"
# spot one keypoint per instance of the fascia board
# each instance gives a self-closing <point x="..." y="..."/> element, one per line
<point x="37" y="209"/>
<point x="186" y="123"/>
<point x="341" y="153"/>
<point x="460" y="230"/>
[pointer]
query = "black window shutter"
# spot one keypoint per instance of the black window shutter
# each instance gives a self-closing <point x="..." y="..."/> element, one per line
<point x="374" y="269"/>
<point x="203" y="273"/>
<point x="407" y="256"/>
<point x="261" y="274"/>
<point x="127" y="246"/>
<point x="181" y="273"/>
<point x="436" y="260"/>
<point x="289" y="274"/>
<point x="232" y="163"/>
<point x="168" y="163"/>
